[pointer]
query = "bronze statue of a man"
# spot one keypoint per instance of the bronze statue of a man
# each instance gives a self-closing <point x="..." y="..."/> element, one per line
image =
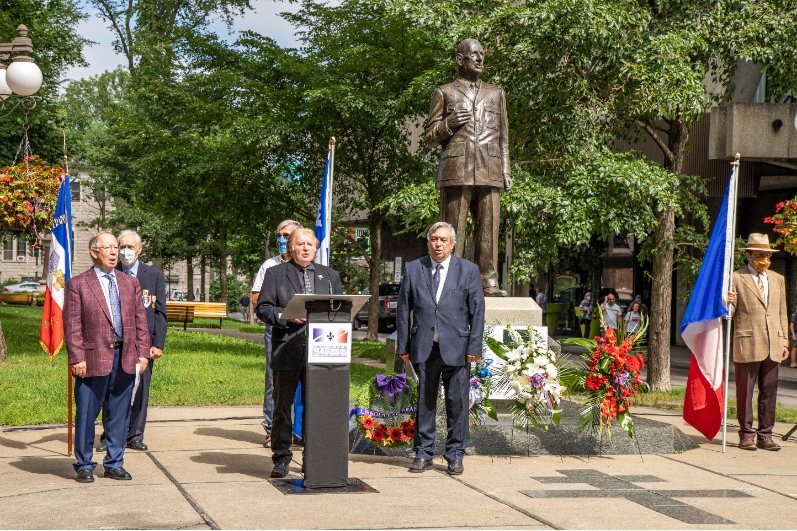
<point x="468" y="119"/>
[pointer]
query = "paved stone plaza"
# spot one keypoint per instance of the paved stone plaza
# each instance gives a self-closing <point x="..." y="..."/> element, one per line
<point x="206" y="468"/>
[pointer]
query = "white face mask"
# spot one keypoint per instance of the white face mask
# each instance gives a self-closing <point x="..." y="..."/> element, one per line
<point x="127" y="256"/>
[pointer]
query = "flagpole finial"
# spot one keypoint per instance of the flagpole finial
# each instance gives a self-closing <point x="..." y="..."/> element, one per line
<point x="736" y="160"/>
<point x="332" y="142"/>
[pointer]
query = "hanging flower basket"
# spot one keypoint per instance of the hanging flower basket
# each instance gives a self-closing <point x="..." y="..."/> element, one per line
<point x="28" y="194"/>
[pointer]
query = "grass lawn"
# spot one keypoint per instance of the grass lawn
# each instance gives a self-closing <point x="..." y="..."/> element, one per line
<point x="198" y="369"/>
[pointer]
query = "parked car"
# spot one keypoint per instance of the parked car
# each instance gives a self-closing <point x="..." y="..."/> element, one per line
<point x="22" y="286"/>
<point x="388" y="298"/>
<point x="177" y="295"/>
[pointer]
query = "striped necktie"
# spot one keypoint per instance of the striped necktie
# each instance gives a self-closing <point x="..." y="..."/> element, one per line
<point x="760" y="283"/>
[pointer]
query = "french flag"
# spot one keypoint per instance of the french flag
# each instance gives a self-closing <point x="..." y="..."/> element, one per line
<point x="59" y="271"/>
<point x="702" y="329"/>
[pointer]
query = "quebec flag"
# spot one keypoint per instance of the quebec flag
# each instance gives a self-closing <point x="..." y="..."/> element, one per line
<point x="59" y="271"/>
<point x="701" y="328"/>
<point x="323" y="220"/>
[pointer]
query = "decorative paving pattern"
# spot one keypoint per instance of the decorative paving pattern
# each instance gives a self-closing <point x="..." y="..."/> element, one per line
<point x="659" y="500"/>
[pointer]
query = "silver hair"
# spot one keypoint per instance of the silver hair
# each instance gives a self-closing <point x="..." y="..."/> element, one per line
<point x="439" y="225"/>
<point x="94" y="242"/>
<point x="130" y="232"/>
<point x="296" y="224"/>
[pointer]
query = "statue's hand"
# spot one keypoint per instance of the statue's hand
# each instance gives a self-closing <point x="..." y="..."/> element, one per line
<point x="507" y="181"/>
<point x="458" y="118"/>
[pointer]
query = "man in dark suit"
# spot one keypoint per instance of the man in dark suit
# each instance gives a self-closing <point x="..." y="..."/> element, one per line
<point x="105" y="327"/>
<point x="153" y="298"/>
<point x="289" y="337"/>
<point x="467" y="119"/>
<point x="444" y="295"/>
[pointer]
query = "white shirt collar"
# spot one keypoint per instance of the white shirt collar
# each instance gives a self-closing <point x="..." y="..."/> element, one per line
<point x="445" y="263"/>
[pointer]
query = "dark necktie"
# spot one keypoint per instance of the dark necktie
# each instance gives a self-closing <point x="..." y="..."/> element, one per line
<point x="307" y="280"/>
<point x="436" y="279"/>
<point x="130" y="272"/>
<point x="116" y="306"/>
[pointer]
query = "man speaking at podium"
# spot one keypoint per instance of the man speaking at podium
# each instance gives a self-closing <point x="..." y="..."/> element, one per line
<point x="444" y="294"/>
<point x="289" y="337"/>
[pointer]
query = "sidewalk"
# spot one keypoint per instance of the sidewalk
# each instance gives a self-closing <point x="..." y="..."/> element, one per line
<point x="206" y="468"/>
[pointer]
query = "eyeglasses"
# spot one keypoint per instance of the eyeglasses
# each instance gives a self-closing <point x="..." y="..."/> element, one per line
<point x="284" y="234"/>
<point x="108" y="248"/>
<point x="132" y="247"/>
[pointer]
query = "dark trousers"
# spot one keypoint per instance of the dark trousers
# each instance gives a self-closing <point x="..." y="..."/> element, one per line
<point x="138" y="413"/>
<point x="116" y="389"/>
<point x="285" y="383"/>
<point x="483" y="203"/>
<point x="587" y="326"/>
<point x="765" y="373"/>
<point x="456" y="383"/>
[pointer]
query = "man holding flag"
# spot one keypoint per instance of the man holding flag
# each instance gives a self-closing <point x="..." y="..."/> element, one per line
<point x="760" y="341"/>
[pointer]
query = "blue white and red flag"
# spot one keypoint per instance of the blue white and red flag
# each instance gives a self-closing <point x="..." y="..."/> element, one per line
<point x="701" y="328"/>
<point x="59" y="271"/>
<point x="323" y="220"/>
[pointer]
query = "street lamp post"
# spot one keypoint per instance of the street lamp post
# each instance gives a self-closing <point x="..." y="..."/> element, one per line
<point x="22" y="77"/>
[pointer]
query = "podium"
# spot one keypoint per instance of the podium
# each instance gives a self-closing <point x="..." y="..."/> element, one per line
<point x="326" y="394"/>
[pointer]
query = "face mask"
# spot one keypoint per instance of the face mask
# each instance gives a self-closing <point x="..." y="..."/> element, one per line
<point x="127" y="256"/>
<point x="282" y="244"/>
<point x="588" y="298"/>
<point x="761" y="263"/>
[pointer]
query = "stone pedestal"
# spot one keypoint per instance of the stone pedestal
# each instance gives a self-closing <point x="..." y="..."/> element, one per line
<point x="514" y="311"/>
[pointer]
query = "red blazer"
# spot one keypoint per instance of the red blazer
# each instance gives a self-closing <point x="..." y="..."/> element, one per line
<point x="88" y="327"/>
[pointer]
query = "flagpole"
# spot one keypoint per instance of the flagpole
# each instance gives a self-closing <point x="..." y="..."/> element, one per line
<point x="328" y="221"/>
<point x="730" y="252"/>
<point x="69" y="419"/>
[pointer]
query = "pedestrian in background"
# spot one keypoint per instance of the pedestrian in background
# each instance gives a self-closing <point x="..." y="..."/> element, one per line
<point x="611" y="313"/>
<point x="793" y="337"/>
<point x="245" y="302"/>
<point x="633" y="318"/>
<point x="585" y="307"/>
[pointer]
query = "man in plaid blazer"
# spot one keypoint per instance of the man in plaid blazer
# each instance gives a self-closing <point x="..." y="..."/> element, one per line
<point x="105" y="327"/>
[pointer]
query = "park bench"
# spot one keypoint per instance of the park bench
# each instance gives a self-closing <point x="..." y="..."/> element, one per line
<point x="185" y="311"/>
<point x="17" y="298"/>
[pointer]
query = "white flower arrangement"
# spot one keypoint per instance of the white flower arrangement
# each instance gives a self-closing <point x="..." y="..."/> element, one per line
<point x="531" y="372"/>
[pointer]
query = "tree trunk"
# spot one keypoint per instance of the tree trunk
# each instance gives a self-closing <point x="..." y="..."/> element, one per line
<point x="3" y="346"/>
<point x="375" y="263"/>
<point x="202" y="272"/>
<point x="223" y="272"/>
<point x="189" y="272"/>
<point x="661" y="299"/>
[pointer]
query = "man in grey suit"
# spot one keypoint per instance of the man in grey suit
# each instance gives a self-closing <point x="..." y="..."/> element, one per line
<point x="445" y="297"/>
<point x="467" y="118"/>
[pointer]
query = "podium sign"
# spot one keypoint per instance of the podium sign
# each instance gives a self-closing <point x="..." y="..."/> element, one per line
<point x="328" y="342"/>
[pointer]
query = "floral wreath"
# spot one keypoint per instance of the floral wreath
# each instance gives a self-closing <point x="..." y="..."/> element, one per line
<point x="385" y="411"/>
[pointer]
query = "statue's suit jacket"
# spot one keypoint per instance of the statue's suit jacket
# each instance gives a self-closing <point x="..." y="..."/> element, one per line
<point x="88" y="328"/>
<point x="458" y="315"/>
<point x="477" y="153"/>
<point x="281" y="283"/>
<point x="760" y="330"/>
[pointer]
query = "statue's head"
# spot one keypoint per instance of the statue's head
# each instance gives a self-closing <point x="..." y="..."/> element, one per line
<point x="470" y="59"/>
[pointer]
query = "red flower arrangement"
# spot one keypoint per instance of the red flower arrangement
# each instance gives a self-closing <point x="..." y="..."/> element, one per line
<point x="610" y="378"/>
<point x="785" y="222"/>
<point x="385" y="411"/>
<point x="28" y="194"/>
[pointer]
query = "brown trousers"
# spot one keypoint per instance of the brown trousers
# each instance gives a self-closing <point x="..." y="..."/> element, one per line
<point x="483" y="202"/>
<point x="747" y="374"/>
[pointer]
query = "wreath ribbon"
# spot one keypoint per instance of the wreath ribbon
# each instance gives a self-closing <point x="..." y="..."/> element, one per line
<point x="361" y="411"/>
<point x="394" y="386"/>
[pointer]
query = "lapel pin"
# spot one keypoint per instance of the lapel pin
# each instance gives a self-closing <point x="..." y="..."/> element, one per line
<point x="320" y="277"/>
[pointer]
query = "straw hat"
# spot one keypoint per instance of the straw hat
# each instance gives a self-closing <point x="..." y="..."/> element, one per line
<point x="759" y="242"/>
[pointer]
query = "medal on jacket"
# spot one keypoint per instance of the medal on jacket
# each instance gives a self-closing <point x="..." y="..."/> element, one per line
<point x="146" y="299"/>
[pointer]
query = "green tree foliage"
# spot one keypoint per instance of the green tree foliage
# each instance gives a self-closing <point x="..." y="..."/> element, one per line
<point x="53" y="28"/>
<point x="579" y="75"/>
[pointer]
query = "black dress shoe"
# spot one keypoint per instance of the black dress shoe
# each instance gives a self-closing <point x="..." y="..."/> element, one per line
<point x="456" y="467"/>
<point x="85" y="475"/>
<point x="138" y="445"/>
<point x="280" y="470"/>
<point x="117" y="473"/>
<point x="419" y="465"/>
<point x="102" y="447"/>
